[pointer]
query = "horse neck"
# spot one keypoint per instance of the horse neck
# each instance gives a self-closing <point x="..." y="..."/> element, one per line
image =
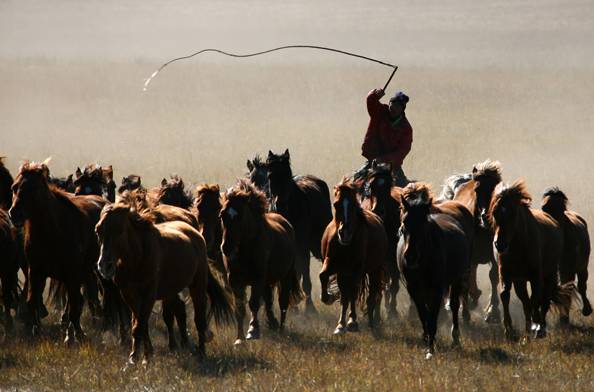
<point x="47" y="210"/>
<point x="285" y="183"/>
<point x="131" y="245"/>
<point x="523" y="233"/>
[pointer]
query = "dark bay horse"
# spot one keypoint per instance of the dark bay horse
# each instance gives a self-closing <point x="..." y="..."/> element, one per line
<point x="95" y="180"/>
<point x="5" y="186"/>
<point x="528" y="245"/>
<point x="258" y="174"/>
<point x="576" y="250"/>
<point x="9" y="267"/>
<point x="259" y="251"/>
<point x="383" y="199"/>
<point x="305" y="202"/>
<point x="209" y="204"/>
<point x="173" y="192"/>
<point x="475" y="191"/>
<point x="59" y="240"/>
<point x="354" y="248"/>
<point x="434" y="259"/>
<point x="151" y="262"/>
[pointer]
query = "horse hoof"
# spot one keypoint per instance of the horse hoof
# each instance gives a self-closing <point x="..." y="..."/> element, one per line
<point x="428" y="355"/>
<point x="145" y="362"/>
<point x="587" y="310"/>
<point x="273" y="324"/>
<point x="540" y="333"/>
<point x="69" y="341"/>
<point x="511" y="335"/>
<point x="253" y="334"/>
<point x="238" y="342"/>
<point x="353" y="326"/>
<point x="493" y="317"/>
<point x="340" y="330"/>
<point x="447" y="306"/>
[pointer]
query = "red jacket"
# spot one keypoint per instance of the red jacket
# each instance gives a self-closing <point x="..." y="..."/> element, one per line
<point x="384" y="140"/>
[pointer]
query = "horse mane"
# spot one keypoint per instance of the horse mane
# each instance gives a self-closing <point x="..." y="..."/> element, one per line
<point x="204" y="189"/>
<point x="258" y="161"/>
<point x="417" y="194"/>
<point x="487" y="168"/>
<point x="554" y="202"/>
<point x="139" y="221"/>
<point x="516" y="193"/>
<point x="350" y="186"/>
<point x="246" y="190"/>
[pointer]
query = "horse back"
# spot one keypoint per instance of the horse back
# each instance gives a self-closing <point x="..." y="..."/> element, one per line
<point x="466" y="195"/>
<point x="551" y="242"/>
<point x="451" y="246"/>
<point x="577" y="243"/>
<point x="458" y="211"/>
<point x="376" y="241"/>
<point x="317" y="196"/>
<point x="280" y="246"/>
<point x="168" y="213"/>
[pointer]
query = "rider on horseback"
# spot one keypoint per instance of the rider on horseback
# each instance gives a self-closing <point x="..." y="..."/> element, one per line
<point x="389" y="134"/>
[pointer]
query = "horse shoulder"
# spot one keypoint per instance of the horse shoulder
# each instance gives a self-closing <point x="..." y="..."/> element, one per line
<point x="466" y="195"/>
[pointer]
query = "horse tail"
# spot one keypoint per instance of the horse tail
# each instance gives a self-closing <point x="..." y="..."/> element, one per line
<point x="221" y="303"/>
<point x="451" y="184"/>
<point x="563" y="296"/>
<point x="296" y="294"/>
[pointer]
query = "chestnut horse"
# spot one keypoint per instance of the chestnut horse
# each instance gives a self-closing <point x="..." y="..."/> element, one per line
<point x="208" y="205"/>
<point x="383" y="199"/>
<point x="149" y="262"/>
<point x="354" y="248"/>
<point x="576" y="250"/>
<point x="528" y="245"/>
<point x="259" y="251"/>
<point x="130" y="183"/>
<point x="434" y="259"/>
<point x="173" y="192"/>
<point x="305" y="202"/>
<point x="59" y="240"/>
<point x="475" y="191"/>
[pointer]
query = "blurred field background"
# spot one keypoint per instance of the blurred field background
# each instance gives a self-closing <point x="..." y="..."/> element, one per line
<point x="506" y="80"/>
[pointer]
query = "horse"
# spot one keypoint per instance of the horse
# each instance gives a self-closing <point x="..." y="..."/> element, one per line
<point x="173" y="192"/>
<point x="434" y="259"/>
<point x="383" y="199"/>
<point x="5" y="186"/>
<point x="576" y="250"/>
<point x="475" y="191"/>
<point x="129" y="183"/>
<point x="528" y="246"/>
<point x="9" y="268"/>
<point x="95" y="180"/>
<point x="59" y="240"/>
<point x="160" y="213"/>
<point x="149" y="262"/>
<point x="258" y="174"/>
<point x="305" y="202"/>
<point x="259" y="251"/>
<point x="208" y="204"/>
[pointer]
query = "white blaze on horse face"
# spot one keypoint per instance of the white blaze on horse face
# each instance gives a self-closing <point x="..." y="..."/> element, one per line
<point x="232" y="213"/>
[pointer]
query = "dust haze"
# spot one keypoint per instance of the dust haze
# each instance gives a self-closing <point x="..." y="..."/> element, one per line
<point x="506" y="80"/>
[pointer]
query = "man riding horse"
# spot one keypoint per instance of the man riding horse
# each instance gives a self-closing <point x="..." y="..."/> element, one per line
<point x="389" y="134"/>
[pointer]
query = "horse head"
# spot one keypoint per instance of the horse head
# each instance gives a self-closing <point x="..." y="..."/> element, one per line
<point x="130" y="183"/>
<point x="90" y="181"/>
<point x="347" y="211"/>
<point x="173" y="192"/>
<point x="507" y="206"/>
<point x="30" y="192"/>
<point x="258" y="173"/>
<point x="486" y="176"/>
<point x="417" y="202"/>
<point x="208" y="204"/>
<point x="379" y="185"/>
<point x="279" y="174"/>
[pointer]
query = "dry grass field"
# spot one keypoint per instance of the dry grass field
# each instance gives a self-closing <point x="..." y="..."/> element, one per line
<point x="508" y="80"/>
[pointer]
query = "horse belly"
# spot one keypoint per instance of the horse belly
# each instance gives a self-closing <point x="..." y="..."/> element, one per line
<point x="178" y="270"/>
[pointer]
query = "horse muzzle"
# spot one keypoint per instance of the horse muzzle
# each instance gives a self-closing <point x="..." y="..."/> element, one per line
<point x="107" y="269"/>
<point x="344" y="236"/>
<point x="501" y="246"/>
<point x="16" y="217"/>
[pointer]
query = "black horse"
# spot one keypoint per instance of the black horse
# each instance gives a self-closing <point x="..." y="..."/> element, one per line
<point x="434" y="258"/>
<point x="305" y="202"/>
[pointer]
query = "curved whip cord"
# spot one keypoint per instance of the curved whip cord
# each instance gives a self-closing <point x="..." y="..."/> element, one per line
<point x="150" y="78"/>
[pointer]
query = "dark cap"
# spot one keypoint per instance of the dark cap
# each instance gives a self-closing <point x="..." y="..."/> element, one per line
<point x="400" y="97"/>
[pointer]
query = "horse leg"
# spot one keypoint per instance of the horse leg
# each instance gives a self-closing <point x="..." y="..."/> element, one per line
<point x="133" y="302"/>
<point x="145" y="314"/>
<point x="352" y="324"/>
<point x="254" y="304"/>
<point x="306" y="283"/>
<point x="199" y="300"/>
<point x="283" y="300"/>
<point x="507" y="322"/>
<point x="168" y="318"/>
<point x="75" y="304"/>
<point x="455" y="292"/>
<point x="540" y="306"/>
<point x="522" y="293"/>
<point x="124" y="316"/>
<point x="268" y="302"/>
<point x="393" y="292"/>
<point x="474" y="291"/>
<point x="239" y="296"/>
<point x="432" y="315"/>
<point x="344" y="304"/>
<point x="493" y="315"/>
<point x="179" y="310"/>
<point x="582" y="287"/>
<point x="373" y="298"/>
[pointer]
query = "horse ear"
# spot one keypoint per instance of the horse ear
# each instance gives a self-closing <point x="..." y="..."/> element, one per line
<point x="47" y="161"/>
<point x="474" y="169"/>
<point x="250" y="165"/>
<point x="163" y="182"/>
<point x="270" y="154"/>
<point x="78" y="172"/>
<point x="286" y="154"/>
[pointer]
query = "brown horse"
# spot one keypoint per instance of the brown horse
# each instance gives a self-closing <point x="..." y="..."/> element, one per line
<point x="383" y="199"/>
<point x="259" y="251"/>
<point x="354" y="248"/>
<point x="59" y="240"/>
<point x="528" y="245"/>
<point x="95" y="180"/>
<point x="434" y="259"/>
<point x="173" y="192"/>
<point x="129" y="183"/>
<point x="151" y="262"/>
<point x="157" y="213"/>
<point x="209" y="205"/>
<point x="576" y="250"/>
<point x="475" y="191"/>
<point x="5" y="186"/>
<point x="258" y="174"/>
<point x="9" y="267"/>
<point x="305" y="202"/>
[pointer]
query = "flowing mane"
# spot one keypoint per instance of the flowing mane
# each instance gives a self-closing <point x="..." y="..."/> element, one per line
<point x="417" y="193"/>
<point x="487" y="168"/>
<point x="247" y="191"/>
<point x="515" y="193"/>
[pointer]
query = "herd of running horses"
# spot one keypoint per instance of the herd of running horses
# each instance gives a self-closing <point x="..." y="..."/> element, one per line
<point x="121" y="249"/>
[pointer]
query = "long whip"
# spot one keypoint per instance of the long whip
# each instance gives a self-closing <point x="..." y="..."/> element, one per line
<point x="150" y="78"/>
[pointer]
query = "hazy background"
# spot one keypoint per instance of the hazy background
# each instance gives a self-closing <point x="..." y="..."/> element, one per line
<point x="507" y="80"/>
